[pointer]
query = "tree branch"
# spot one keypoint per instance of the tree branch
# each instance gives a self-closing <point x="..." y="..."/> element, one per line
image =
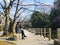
<point x="4" y="3"/>
<point x="28" y="9"/>
<point x="11" y="2"/>
<point x="3" y="8"/>
<point x="19" y="10"/>
<point x="23" y="19"/>
<point x="16" y="9"/>
<point x="20" y="14"/>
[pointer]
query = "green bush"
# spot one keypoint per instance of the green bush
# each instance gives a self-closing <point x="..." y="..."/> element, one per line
<point x="1" y="28"/>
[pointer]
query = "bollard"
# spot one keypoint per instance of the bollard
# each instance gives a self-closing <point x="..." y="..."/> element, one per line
<point x="58" y="33"/>
<point x="41" y="32"/>
<point x="57" y="41"/>
<point x="44" y="32"/>
<point x="49" y="33"/>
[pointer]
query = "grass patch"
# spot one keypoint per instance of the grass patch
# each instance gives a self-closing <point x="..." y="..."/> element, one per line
<point x="9" y="35"/>
<point x="6" y="43"/>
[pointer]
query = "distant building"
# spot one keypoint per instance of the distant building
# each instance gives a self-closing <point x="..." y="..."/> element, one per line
<point x="2" y="19"/>
<point x="57" y="4"/>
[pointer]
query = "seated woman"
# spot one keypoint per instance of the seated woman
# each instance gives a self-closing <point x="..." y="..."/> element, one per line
<point x="23" y="34"/>
<point x="20" y="30"/>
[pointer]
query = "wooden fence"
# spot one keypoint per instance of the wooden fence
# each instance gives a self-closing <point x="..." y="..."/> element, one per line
<point x="46" y="32"/>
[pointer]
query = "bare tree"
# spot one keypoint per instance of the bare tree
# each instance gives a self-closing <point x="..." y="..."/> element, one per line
<point x="6" y="11"/>
<point x="18" y="5"/>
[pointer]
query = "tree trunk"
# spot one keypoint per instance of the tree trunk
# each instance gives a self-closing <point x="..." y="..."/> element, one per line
<point x="10" y="27"/>
<point x="7" y="21"/>
<point x="6" y="26"/>
<point x="13" y="27"/>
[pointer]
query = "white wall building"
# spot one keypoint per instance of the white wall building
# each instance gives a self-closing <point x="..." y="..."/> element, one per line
<point x="2" y="19"/>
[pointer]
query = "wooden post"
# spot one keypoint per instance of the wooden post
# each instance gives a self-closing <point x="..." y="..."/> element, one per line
<point x="58" y="33"/>
<point x="44" y="32"/>
<point x="33" y="30"/>
<point x="49" y="33"/>
<point x="41" y="31"/>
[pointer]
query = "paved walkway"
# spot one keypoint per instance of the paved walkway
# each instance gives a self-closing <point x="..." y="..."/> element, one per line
<point x="33" y="39"/>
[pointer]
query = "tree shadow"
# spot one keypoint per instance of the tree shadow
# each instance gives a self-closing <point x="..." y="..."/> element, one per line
<point x="11" y="39"/>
